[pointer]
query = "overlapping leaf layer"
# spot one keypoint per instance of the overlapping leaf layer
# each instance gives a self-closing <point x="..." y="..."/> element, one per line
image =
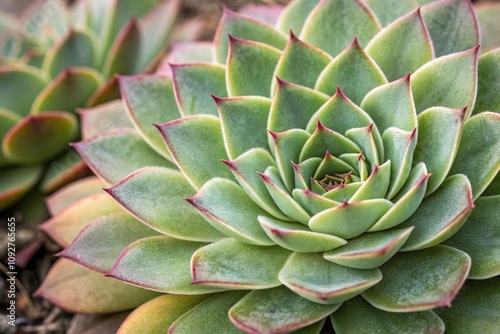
<point x="57" y="58"/>
<point x="343" y="172"/>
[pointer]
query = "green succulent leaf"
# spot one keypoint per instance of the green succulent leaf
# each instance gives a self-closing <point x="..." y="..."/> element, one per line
<point x="439" y="134"/>
<point x="296" y="54"/>
<point x="481" y="131"/>
<point x="123" y="54"/>
<point x="210" y="315"/>
<point x="119" y="230"/>
<point x="240" y="221"/>
<point x="65" y="226"/>
<point x="144" y="264"/>
<point x="487" y="14"/>
<point x="333" y="23"/>
<point x="71" y="89"/>
<point x="156" y="196"/>
<point x="296" y="237"/>
<point x="358" y="316"/>
<point x="364" y="138"/>
<point x="143" y="96"/>
<point x="38" y="138"/>
<point x="370" y="250"/>
<point x="250" y="67"/>
<point x="316" y="279"/>
<point x="294" y="15"/>
<point x="350" y="220"/>
<point x="26" y="79"/>
<point x="159" y="313"/>
<point x="376" y="185"/>
<point x="478" y="237"/>
<point x="95" y="294"/>
<point x="406" y="201"/>
<point x="197" y="146"/>
<point x="461" y="31"/>
<point x="293" y="106"/>
<point x="66" y="168"/>
<point x="488" y="84"/>
<point x="402" y="47"/>
<point x="245" y="169"/>
<point x="399" y="146"/>
<point x="277" y="310"/>
<point x="353" y="71"/>
<point x="433" y="280"/>
<point x="240" y="117"/>
<point x="193" y="84"/>
<point x="304" y="172"/>
<point x="7" y="120"/>
<point x="105" y="117"/>
<point x="312" y="202"/>
<point x="112" y="165"/>
<point x="72" y="193"/>
<point x="245" y="28"/>
<point x="389" y="10"/>
<point x="78" y="48"/>
<point x="281" y="196"/>
<point x="231" y="264"/>
<point x="449" y="81"/>
<point x="343" y="192"/>
<point x="16" y="182"/>
<point x="476" y="308"/>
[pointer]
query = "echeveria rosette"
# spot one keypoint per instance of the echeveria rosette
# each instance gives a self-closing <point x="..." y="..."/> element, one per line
<point x="349" y="189"/>
<point x="58" y="58"/>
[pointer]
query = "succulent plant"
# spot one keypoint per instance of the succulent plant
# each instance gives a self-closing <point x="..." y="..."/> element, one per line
<point x="58" y="58"/>
<point x="320" y="183"/>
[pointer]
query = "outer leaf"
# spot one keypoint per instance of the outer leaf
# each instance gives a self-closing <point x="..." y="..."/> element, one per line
<point x="433" y="280"/>
<point x="64" y="227"/>
<point x="461" y="31"/>
<point x="71" y="89"/>
<point x="243" y="121"/>
<point x="353" y="71"/>
<point x="298" y="54"/>
<point x="112" y="164"/>
<point x="156" y="196"/>
<point x="294" y="15"/>
<point x="144" y="96"/>
<point x="476" y="308"/>
<point x="99" y="244"/>
<point x="65" y="169"/>
<point x="96" y="294"/>
<point x="38" y="138"/>
<point x="16" y="182"/>
<point x="243" y="27"/>
<point x="488" y="85"/>
<point x="481" y="131"/>
<point x="26" y="79"/>
<point x="487" y="14"/>
<point x="324" y="282"/>
<point x="333" y="23"/>
<point x="144" y="264"/>
<point x="358" y="316"/>
<point x="72" y="193"/>
<point x="231" y="264"/>
<point x="123" y="54"/>
<point x="197" y="146"/>
<point x="449" y="81"/>
<point x="402" y="47"/>
<point x="479" y="238"/>
<point x="277" y="310"/>
<point x="78" y="48"/>
<point x="239" y="220"/>
<point x="193" y="84"/>
<point x="108" y="116"/>
<point x="210" y="315"/>
<point x="7" y="120"/>
<point x="390" y="10"/>
<point x="158" y="314"/>
<point x="250" y="67"/>
<point x="297" y="237"/>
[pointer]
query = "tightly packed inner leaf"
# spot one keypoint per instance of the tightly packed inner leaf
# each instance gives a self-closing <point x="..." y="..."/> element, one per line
<point x="319" y="180"/>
